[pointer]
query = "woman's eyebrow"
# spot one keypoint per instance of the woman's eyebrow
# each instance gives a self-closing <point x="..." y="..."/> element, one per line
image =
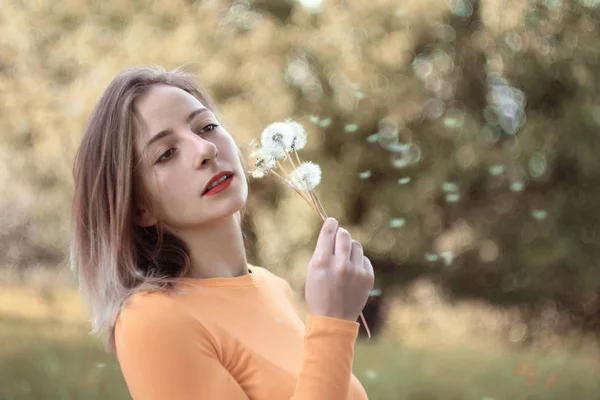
<point x="194" y="113"/>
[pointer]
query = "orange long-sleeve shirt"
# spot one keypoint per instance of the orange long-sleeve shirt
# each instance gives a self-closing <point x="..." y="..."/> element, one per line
<point x="233" y="339"/>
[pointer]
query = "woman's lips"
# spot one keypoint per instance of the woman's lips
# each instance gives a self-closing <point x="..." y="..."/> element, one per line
<point x="220" y="187"/>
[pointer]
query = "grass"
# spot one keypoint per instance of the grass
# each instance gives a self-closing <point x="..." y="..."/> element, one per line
<point x="45" y="354"/>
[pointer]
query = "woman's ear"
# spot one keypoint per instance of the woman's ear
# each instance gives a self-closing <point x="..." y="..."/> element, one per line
<point x="144" y="218"/>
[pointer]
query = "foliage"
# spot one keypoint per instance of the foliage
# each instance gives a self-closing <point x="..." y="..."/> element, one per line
<point x="458" y="138"/>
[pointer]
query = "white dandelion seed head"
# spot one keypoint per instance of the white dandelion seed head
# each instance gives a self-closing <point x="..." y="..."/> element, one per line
<point x="278" y="138"/>
<point x="299" y="140"/>
<point x="264" y="162"/>
<point x="307" y="176"/>
<point x="263" y="159"/>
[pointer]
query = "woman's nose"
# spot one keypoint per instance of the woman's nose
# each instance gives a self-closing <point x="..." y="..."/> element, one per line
<point x="204" y="152"/>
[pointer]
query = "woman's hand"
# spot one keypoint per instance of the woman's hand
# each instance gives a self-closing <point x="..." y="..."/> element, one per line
<point x="339" y="276"/>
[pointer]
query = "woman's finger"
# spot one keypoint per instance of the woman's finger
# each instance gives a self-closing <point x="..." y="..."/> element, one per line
<point x="357" y="255"/>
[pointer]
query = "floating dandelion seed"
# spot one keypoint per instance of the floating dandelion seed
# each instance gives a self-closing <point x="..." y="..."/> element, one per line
<point x="516" y="186"/>
<point x="359" y="95"/>
<point x="373" y="138"/>
<point x="397" y="223"/>
<point x="449" y="187"/>
<point x="351" y="128"/>
<point x="325" y="122"/>
<point x="539" y="214"/>
<point x="314" y="119"/>
<point x="496" y="170"/>
<point x="431" y="257"/>
<point x="306" y="177"/>
<point x="375" y="292"/>
<point x="452" y="197"/>
<point x="448" y="257"/>
<point x="404" y="181"/>
<point x="365" y="174"/>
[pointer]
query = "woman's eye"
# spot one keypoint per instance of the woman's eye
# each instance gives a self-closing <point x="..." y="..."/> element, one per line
<point x="209" y="128"/>
<point x="166" y="155"/>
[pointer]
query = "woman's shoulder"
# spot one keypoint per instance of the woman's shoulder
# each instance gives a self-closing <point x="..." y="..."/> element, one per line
<point x="272" y="279"/>
<point x="146" y="309"/>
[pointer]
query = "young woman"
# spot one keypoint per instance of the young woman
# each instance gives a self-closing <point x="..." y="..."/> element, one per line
<point x="158" y="247"/>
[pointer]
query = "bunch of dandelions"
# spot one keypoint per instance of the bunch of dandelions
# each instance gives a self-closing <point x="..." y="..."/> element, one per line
<point x="281" y="141"/>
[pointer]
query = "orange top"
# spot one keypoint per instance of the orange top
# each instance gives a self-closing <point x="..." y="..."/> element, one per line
<point x="233" y="338"/>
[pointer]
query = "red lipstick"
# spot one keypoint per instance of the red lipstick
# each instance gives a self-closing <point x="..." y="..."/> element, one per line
<point x="222" y="179"/>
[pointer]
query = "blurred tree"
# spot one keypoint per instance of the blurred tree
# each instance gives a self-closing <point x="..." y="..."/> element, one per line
<point x="458" y="138"/>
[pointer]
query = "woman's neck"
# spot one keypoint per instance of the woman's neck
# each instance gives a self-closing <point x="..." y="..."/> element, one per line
<point x="216" y="250"/>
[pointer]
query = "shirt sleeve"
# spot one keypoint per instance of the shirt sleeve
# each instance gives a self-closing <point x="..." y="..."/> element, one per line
<point x="326" y="368"/>
<point x="163" y="354"/>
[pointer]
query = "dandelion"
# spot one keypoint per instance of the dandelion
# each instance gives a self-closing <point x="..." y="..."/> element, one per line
<point x="299" y="135"/>
<point x="280" y="139"/>
<point x="277" y="139"/>
<point x="265" y="162"/>
<point x="307" y="176"/>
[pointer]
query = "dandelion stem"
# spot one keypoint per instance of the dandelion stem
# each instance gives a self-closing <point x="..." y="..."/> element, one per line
<point x="319" y="203"/>
<point x="362" y="317"/>
<point x="309" y="202"/>
<point x="312" y="196"/>
<point x="290" y="158"/>
<point x="283" y="169"/>
<point x="297" y="157"/>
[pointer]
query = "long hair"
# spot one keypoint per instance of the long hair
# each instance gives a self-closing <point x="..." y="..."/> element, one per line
<point x="112" y="257"/>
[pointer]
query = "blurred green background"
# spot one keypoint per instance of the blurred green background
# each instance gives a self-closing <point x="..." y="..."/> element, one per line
<point x="458" y="141"/>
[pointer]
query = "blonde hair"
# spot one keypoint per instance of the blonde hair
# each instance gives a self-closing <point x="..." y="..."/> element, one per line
<point x="112" y="257"/>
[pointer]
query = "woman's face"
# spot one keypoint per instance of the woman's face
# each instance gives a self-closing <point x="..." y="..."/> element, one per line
<point x="182" y="146"/>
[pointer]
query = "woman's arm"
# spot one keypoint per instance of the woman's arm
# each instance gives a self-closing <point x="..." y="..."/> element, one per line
<point x="327" y="359"/>
<point x="328" y="355"/>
